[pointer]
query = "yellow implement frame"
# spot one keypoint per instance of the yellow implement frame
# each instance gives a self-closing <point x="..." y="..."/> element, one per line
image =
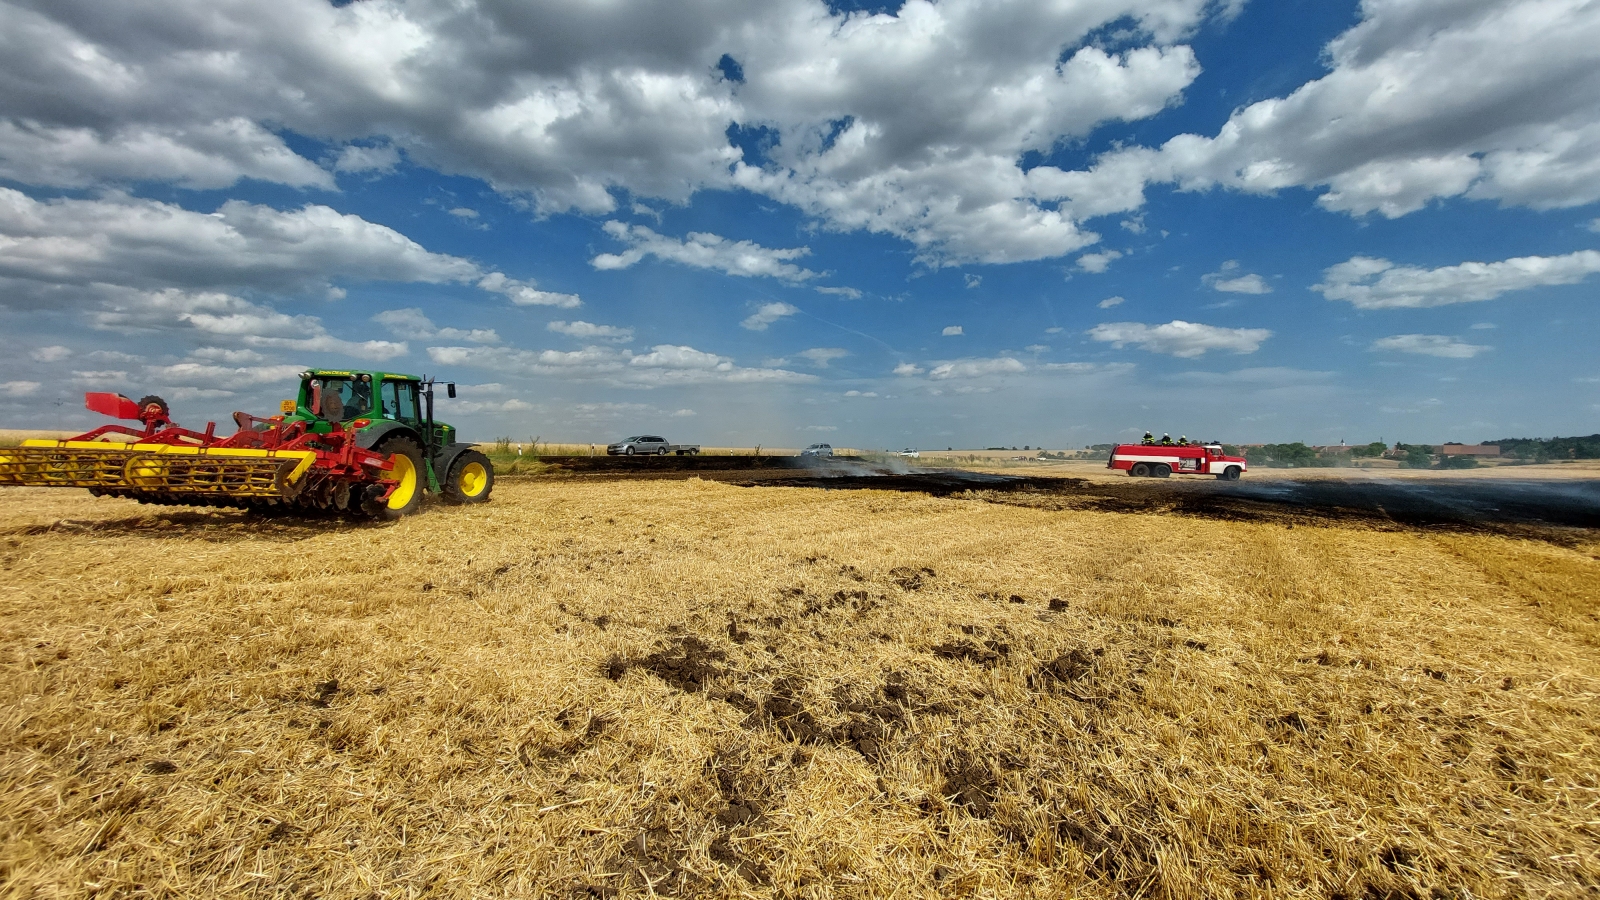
<point x="170" y="469"/>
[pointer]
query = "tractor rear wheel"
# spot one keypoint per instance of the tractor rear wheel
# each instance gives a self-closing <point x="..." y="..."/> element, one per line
<point x="406" y="498"/>
<point x="470" y="479"/>
<point x="1139" y="470"/>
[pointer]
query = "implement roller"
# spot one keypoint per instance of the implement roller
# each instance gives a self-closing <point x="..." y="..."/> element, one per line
<point x="353" y="442"/>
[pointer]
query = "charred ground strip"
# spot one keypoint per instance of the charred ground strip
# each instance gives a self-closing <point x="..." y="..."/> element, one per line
<point x="1464" y="504"/>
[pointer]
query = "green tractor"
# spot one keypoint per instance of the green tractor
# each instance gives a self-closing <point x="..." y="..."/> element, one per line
<point x="392" y="414"/>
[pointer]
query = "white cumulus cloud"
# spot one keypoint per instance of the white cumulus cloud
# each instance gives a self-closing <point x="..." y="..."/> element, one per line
<point x="952" y="331"/>
<point x="849" y="293"/>
<point x="767" y="314"/>
<point x="1098" y="262"/>
<point x="1424" y="99"/>
<point x="1229" y="280"/>
<point x="591" y="331"/>
<point x="412" y="323"/>
<point x="526" y="293"/>
<point x="1430" y="345"/>
<point x="703" y="251"/>
<point x="821" y="356"/>
<point x="910" y="124"/>
<point x="976" y="368"/>
<point x="382" y="158"/>
<point x="1179" y="338"/>
<point x="122" y="240"/>
<point x="1369" y="283"/>
<point x="664" y="364"/>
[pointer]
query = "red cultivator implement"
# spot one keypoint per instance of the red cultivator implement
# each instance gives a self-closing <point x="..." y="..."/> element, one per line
<point x="268" y="464"/>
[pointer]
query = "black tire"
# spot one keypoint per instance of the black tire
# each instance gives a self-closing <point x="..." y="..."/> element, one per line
<point x="407" y="497"/>
<point x="695" y="452"/>
<point x="470" y="479"/>
<point x="1231" y="473"/>
<point x="1162" y="470"/>
<point x="1139" y="470"/>
<point x="166" y="411"/>
<point x="627" y="451"/>
<point x="662" y="452"/>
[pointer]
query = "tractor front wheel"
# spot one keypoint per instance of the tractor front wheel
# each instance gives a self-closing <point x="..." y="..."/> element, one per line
<point x="406" y="498"/>
<point x="470" y="479"/>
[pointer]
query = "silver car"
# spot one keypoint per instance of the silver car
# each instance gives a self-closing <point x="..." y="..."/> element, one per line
<point x="817" y="450"/>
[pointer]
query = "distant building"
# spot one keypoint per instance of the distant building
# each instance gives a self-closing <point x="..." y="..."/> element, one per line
<point x="1470" y="450"/>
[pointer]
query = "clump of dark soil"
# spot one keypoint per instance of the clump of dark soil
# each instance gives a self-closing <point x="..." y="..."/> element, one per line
<point x="743" y="804"/>
<point x="686" y="663"/>
<point x="789" y="714"/>
<point x="970" y="783"/>
<point x="859" y="600"/>
<point x="1074" y="665"/>
<point x="724" y="852"/>
<point x="324" y="693"/>
<point x="910" y="579"/>
<point x="576" y="741"/>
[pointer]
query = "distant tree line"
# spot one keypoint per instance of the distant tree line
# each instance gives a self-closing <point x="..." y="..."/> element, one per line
<point x="1546" y="449"/>
<point x="1291" y="456"/>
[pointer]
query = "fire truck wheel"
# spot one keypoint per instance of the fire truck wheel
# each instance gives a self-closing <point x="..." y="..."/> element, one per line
<point x="1162" y="470"/>
<point x="1139" y="470"/>
<point x="1231" y="473"/>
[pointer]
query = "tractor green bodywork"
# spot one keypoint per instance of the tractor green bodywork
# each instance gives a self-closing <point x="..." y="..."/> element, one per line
<point x="376" y="406"/>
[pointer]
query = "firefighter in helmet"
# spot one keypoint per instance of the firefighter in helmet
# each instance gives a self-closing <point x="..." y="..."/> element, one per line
<point x="1149" y="440"/>
<point x="1183" y="441"/>
<point x="1166" y="439"/>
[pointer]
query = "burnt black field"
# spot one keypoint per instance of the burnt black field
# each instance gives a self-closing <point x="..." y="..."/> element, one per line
<point x="1441" y="502"/>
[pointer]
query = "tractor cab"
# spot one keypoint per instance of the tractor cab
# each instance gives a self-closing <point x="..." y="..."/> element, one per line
<point x="369" y="401"/>
<point x="391" y="413"/>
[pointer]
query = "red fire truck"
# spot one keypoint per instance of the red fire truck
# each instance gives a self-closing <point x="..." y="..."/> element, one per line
<point x="1161" y="460"/>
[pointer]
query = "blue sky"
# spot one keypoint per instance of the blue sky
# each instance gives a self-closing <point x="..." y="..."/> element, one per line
<point x="930" y="224"/>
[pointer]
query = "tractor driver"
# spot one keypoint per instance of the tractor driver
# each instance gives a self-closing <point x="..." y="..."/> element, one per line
<point x="344" y="399"/>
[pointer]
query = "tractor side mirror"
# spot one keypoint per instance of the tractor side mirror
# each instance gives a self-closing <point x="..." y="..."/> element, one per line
<point x="450" y="389"/>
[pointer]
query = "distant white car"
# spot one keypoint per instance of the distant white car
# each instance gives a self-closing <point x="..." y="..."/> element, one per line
<point x="818" y="450"/>
<point x="910" y="452"/>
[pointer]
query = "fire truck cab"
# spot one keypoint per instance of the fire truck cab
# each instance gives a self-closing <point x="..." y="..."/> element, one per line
<point x="1161" y="460"/>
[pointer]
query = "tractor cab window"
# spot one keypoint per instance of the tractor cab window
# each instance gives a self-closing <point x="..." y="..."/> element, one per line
<point x="400" y="400"/>
<point x="341" y="399"/>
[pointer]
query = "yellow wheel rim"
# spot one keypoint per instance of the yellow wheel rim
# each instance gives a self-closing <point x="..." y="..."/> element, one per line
<point x="146" y="471"/>
<point x="474" y="479"/>
<point x="405" y="473"/>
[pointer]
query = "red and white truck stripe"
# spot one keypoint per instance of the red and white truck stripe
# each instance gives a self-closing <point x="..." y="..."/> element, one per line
<point x="1161" y="460"/>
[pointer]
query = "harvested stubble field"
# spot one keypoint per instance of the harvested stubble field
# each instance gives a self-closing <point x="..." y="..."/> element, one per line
<point x="600" y="688"/>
